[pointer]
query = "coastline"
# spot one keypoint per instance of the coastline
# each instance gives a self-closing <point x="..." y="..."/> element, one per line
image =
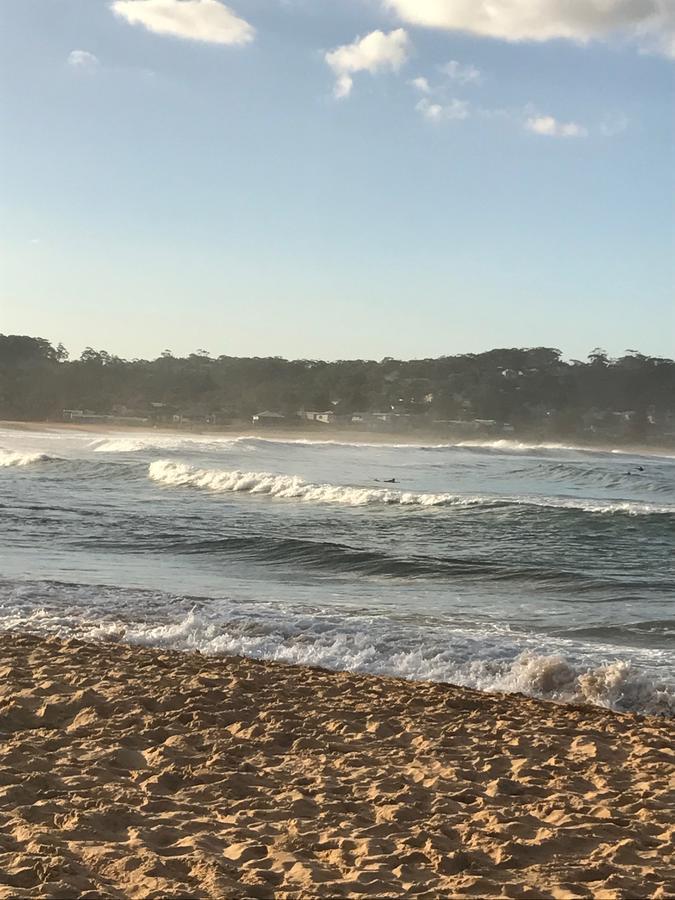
<point x="319" y="435"/>
<point x="137" y="772"/>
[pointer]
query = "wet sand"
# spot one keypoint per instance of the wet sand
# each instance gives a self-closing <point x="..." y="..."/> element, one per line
<point x="134" y="772"/>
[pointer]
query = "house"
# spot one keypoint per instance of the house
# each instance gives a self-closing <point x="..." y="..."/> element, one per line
<point x="328" y="417"/>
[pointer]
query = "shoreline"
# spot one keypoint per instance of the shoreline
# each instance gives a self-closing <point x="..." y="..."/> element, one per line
<point x="412" y="439"/>
<point x="136" y="772"/>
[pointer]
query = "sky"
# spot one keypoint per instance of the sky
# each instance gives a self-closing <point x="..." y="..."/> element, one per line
<point x="338" y="178"/>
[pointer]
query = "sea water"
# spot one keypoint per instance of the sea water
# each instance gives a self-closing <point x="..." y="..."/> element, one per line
<point x="504" y="566"/>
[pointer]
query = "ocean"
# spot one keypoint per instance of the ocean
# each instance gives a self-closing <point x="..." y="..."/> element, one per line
<point x="541" y="569"/>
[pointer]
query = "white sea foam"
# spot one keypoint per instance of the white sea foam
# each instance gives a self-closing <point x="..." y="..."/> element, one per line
<point x="488" y="659"/>
<point x="613" y="684"/>
<point x="292" y="487"/>
<point x="17" y="458"/>
<point x="513" y="446"/>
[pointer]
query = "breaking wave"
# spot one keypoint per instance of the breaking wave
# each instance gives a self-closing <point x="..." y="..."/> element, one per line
<point x="14" y="458"/>
<point x="616" y="685"/>
<point x="292" y="487"/>
<point x="177" y="440"/>
<point x="479" y="656"/>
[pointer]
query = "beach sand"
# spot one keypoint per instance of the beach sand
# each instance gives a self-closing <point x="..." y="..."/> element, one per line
<point x="134" y="772"/>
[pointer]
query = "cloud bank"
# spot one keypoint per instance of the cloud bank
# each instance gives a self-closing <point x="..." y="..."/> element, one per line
<point x="197" y="20"/>
<point x="649" y="22"/>
<point x="376" y="52"/>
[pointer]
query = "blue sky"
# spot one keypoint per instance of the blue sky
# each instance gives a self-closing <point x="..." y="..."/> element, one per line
<point x="362" y="178"/>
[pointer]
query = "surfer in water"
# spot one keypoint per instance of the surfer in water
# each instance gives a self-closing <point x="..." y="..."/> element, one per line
<point x="386" y="480"/>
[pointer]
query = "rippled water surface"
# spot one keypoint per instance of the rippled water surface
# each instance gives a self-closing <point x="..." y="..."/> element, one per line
<point x="542" y="569"/>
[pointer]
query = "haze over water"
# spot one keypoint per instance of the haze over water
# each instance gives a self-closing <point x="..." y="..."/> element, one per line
<point x="503" y="566"/>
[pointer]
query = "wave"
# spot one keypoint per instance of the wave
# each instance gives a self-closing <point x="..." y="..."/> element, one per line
<point x="340" y="559"/>
<point x="512" y="446"/>
<point x="616" y="685"/>
<point x="485" y="657"/>
<point x="11" y="458"/>
<point x="508" y="445"/>
<point x="168" y="442"/>
<point x="178" y="440"/>
<point x="578" y="473"/>
<point x="293" y="487"/>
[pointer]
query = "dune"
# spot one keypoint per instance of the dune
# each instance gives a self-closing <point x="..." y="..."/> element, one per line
<point x="134" y="772"/>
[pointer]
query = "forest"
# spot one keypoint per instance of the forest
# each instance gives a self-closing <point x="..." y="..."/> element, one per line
<point x="525" y="390"/>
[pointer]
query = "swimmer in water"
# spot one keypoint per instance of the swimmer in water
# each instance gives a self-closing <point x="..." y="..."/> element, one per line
<point x="639" y="469"/>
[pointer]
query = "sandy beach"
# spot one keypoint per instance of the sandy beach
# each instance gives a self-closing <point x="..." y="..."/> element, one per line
<point x="134" y="772"/>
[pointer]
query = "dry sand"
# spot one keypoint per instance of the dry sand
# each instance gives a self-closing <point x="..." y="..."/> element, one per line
<point x="130" y="772"/>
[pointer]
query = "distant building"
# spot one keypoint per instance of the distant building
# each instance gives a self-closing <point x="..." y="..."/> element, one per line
<point x="328" y="417"/>
<point x="86" y="417"/>
<point x="268" y="418"/>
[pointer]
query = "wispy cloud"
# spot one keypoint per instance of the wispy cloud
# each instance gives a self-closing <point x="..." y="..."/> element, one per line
<point x="83" y="60"/>
<point x="376" y="52"/>
<point x="649" y="23"/>
<point x="613" y="125"/>
<point x="464" y="74"/>
<point x="552" y="127"/>
<point x="439" y="112"/>
<point x="461" y="73"/>
<point x="421" y="84"/>
<point x="197" y="20"/>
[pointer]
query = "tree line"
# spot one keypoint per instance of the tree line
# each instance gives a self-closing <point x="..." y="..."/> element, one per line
<point x="529" y="388"/>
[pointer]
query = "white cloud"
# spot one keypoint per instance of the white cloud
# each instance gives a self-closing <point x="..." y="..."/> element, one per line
<point x="551" y="127"/>
<point x="438" y="112"/>
<point x="376" y="52"/>
<point x="197" y="20"/>
<point x="82" y="59"/>
<point x="421" y="84"/>
<point x="343" y="86"/>
<point x="464" y="74"/>
<point x="649" y="22"/>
